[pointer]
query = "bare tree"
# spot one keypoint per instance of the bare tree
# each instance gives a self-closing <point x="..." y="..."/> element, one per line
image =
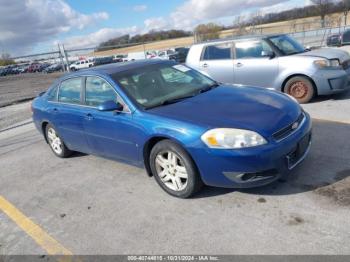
<point x="346" y="8"/>
<point x="323" y="7"/>
<point x="208" y="31"/>
<point x="239" y="23"/>
<point x="6" y="60"/>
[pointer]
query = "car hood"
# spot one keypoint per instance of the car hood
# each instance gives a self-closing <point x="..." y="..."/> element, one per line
<point x="251" y="108"/>
<point x="329" y="53"/>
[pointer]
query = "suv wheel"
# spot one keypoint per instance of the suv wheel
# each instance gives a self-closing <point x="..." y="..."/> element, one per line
<point x="174" y="170"/>
<point x="300" y="88"/>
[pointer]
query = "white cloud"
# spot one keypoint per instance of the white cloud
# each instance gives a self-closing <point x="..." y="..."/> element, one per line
<point x="140" y="8"/>
<point x="185" y="17"/>
<point x="25" y="23"/>
<point x="193" y="12"/>
<point x="156" y="23"/>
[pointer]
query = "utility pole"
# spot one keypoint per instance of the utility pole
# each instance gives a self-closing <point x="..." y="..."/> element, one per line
<point x="60" y="57"/>
<point x="66" y="57"/>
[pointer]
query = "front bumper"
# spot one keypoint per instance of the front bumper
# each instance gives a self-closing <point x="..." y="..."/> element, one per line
<point x="252" y="167"/>
<point x="332" y="81"/>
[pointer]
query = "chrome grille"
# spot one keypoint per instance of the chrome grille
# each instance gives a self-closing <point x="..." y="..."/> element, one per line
<point x="286" y="131"/>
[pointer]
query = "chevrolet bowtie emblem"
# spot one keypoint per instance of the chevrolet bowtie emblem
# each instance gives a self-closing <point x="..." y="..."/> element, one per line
<point x="295" y="125"/>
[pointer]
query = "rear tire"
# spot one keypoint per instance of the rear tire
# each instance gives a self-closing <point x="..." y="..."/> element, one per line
<point x="174" y="170"/>
<point x="56" y="143"/>
<point x="301" y="88"/>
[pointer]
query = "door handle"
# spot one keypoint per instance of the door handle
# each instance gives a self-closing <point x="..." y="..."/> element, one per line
<point x="55" y="110"/>
<point x="89" y="117"/>
<point x="239" y="64"/>
<point x="205" y="65"/>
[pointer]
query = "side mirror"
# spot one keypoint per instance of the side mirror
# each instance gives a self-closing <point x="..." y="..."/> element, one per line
<point x="269" y="54"/>
<point x="110" y="106"/>
<point x="308" y="48"/>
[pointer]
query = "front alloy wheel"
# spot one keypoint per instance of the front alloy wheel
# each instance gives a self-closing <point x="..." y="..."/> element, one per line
<point x="174" y="169"/>
<point x="171" y="170"/>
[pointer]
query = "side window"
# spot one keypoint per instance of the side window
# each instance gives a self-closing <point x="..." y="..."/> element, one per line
<point x="217" y="52"/>
<point x="251" y="49"/>
<point x="70" y="91"/>
<point x="98" y="91"/>
<point x="52" y="94"/>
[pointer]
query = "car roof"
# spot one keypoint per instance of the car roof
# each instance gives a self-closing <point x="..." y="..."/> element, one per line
<point x="114" y="68"/>
<point x="238" y="38"/>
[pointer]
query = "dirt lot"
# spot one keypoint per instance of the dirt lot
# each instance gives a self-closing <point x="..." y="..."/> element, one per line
<point x="19" y="88"/>
<point x="15" y="90"/>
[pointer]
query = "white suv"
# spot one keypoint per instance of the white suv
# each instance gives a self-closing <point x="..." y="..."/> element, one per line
<point x="81" y="64"/>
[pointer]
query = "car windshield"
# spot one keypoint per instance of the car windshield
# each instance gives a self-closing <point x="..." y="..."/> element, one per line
<point x="287" y="45"/>
<point x="161" y="84"/>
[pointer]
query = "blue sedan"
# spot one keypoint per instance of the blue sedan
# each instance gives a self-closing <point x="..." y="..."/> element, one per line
<point x="184" y="128"/>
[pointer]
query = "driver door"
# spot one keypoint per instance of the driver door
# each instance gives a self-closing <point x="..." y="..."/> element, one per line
<point x="111" y="134"/>
<point x="251" y="67"/>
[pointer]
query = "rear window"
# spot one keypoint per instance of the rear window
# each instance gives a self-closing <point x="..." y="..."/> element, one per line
<point x="217" y="52"/>
<point x="70" y="91"/>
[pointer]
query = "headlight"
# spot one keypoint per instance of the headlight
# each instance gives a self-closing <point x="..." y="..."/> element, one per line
<point x="324" y="63"/>
<point x="334" y="62"/>
<point x="229" y="138"/>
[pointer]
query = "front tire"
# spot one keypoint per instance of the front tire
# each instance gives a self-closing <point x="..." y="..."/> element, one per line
<point x="56" y="143"/>
<point x="300" y="88"/>
<point x="174" y="170"/>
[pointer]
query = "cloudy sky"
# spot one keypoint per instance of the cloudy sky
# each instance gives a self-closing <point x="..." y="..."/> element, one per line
<point x="28" y="26"/>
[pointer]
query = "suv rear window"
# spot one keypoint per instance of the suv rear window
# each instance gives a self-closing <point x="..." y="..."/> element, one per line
<point x="217" y="52"/>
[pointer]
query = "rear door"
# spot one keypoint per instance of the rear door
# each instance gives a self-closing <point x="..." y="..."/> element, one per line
<point x="68" y="114"/>
<point x="216" y="61"/>
<point x="251" y="67"/>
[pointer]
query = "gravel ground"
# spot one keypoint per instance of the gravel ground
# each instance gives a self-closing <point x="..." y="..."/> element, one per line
<point x="19" y="88"/>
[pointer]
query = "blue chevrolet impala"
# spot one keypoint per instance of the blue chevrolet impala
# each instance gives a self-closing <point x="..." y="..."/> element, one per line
<point x="184" y="128"/>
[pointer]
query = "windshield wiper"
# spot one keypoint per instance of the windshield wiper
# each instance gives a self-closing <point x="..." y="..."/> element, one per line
<point x="171" y="101"/>
<point x="208" y="88"/>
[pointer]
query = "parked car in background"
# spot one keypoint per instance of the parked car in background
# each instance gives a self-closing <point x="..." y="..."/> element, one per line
<point x="274" y="61"/>
<point x="10" y="70"/>
<point x="53" y="68"/>
<point x="119" y="58"/>
<point x="81" y="64"/>
<point x="43" y="66"/>
<point x="2" y="72"/>
<point x="183" y="127"/>
<point x="34" y="67"/>
<point x="23" y="68"/>
<point x="165" y="54"/>
<point x="339" y="39"/>
<point x="135" y="56"/>
<point x="103" y="60"/>
<point x="180" y="55"/>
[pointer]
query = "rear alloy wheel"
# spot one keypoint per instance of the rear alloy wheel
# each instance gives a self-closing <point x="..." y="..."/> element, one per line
<point x="56" y="143"/>
<point x="300" y="88"/>
<point x="174" y="169"/>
